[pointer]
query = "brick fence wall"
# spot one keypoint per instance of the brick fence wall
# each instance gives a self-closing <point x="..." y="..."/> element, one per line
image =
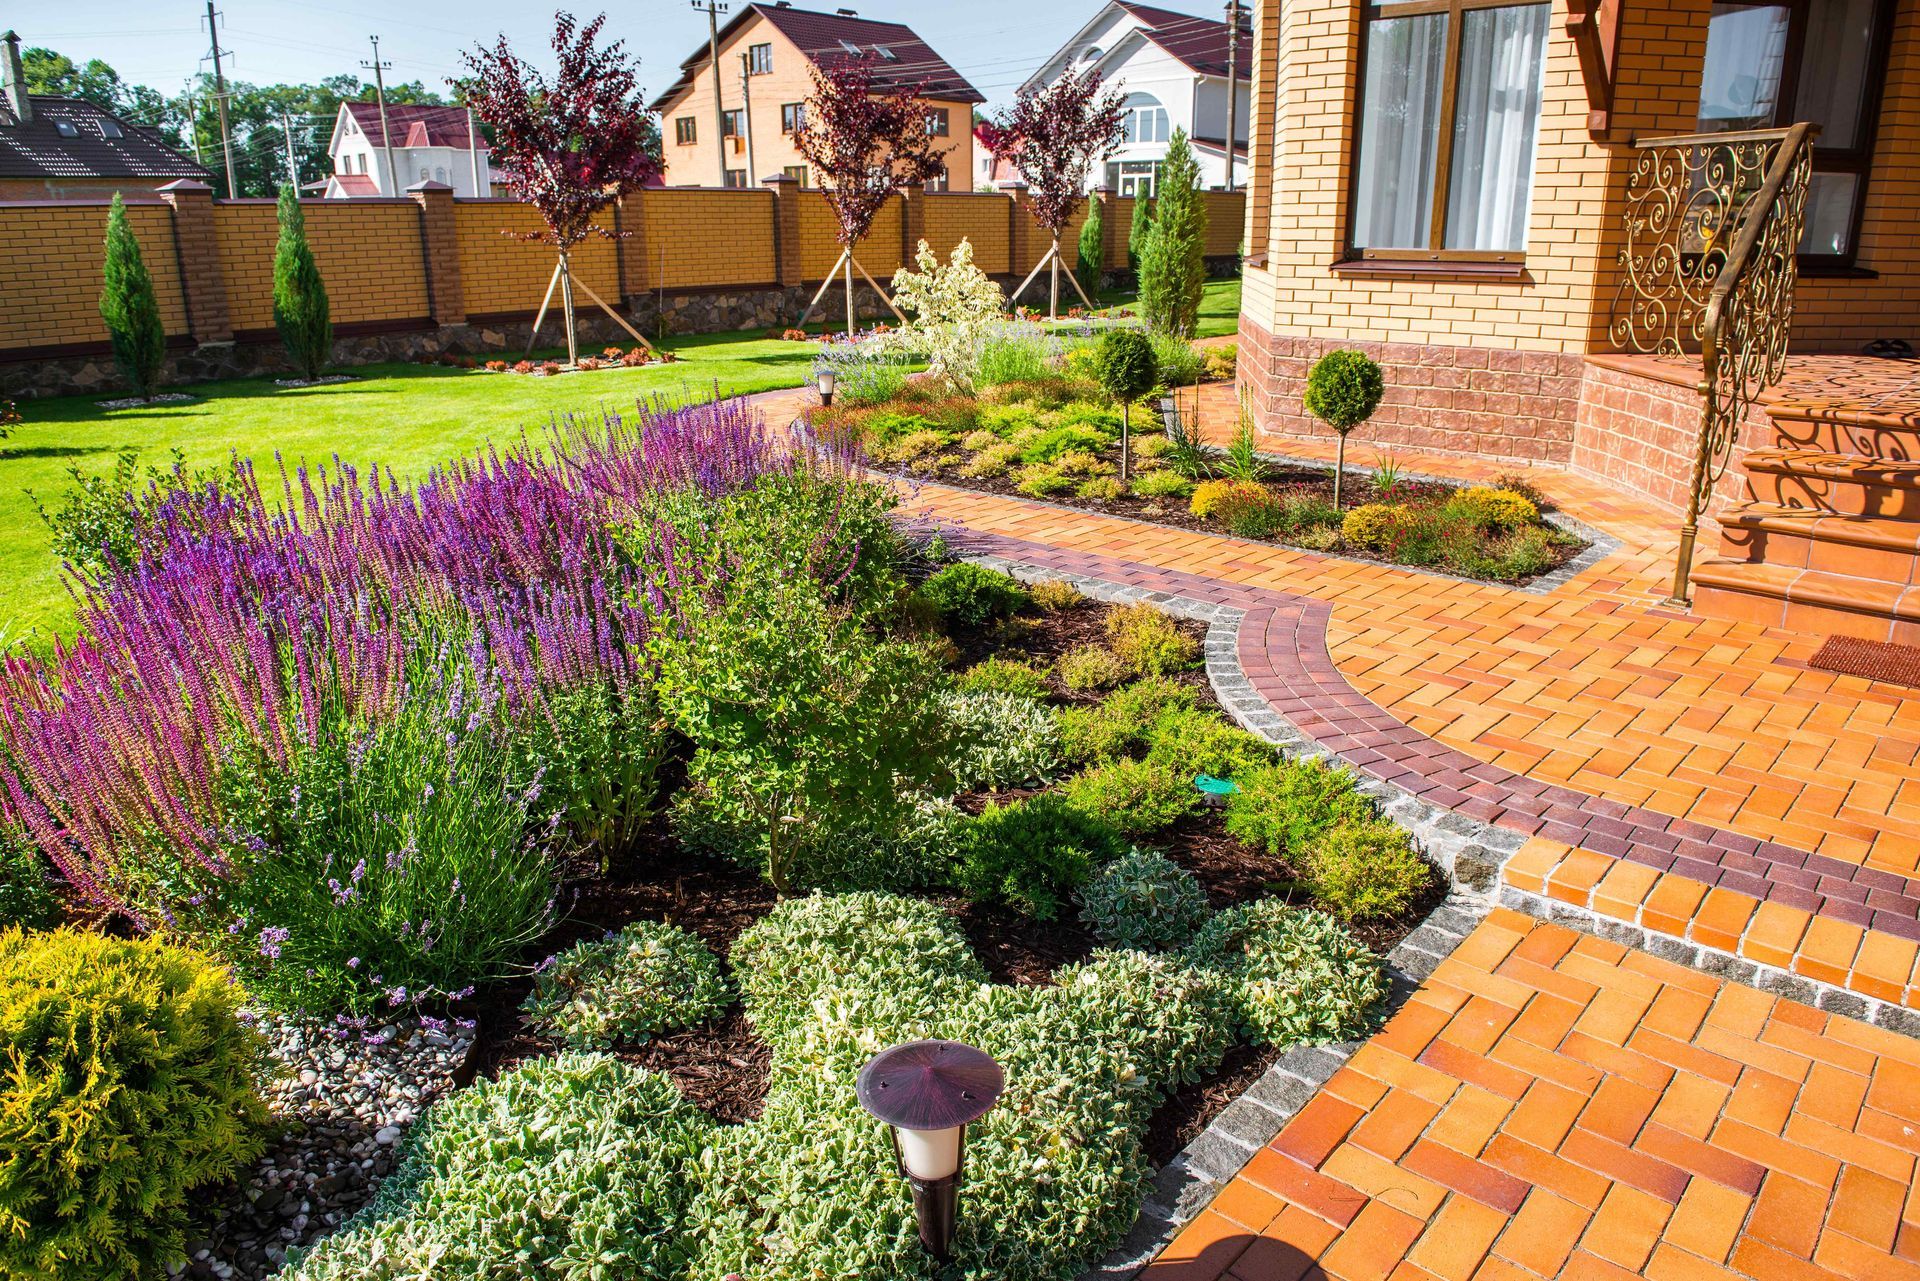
<point x="427" y="264"/>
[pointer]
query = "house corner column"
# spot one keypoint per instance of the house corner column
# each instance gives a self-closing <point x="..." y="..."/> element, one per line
<point x="440" y="252"/>
<point x="209" y="319"/>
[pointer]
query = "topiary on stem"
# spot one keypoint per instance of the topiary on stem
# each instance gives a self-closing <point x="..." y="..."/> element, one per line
<point x="300" y="309"/>
<point x="128" y="306"/>
<point x="1343" y="389"/>
<point x="1127" y="372"/>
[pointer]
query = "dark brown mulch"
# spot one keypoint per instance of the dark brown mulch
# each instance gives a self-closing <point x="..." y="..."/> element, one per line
<point x="722" y="1066"/>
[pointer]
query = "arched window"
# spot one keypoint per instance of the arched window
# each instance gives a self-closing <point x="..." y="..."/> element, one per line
<point x="1145" y="120"/>
<point x="439" y="173"/>
<point x="1091" y="55"/>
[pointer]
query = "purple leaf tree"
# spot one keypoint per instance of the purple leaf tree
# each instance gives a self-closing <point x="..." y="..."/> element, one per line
<point x="867" y="141"/>
<point x="1055" y="135"/>
<point x="570" y="146"/>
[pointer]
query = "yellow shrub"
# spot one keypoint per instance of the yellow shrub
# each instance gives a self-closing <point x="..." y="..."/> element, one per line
<point x="1495" y="508"/>
<point x="1373" y="525"/>
<point x="1215" y="497"/>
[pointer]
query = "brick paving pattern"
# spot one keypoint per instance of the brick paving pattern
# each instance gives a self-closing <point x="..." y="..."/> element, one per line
<point x="1552" y="1105"/>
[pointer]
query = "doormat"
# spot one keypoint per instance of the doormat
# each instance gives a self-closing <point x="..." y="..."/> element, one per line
<point x="1874" y="660"/>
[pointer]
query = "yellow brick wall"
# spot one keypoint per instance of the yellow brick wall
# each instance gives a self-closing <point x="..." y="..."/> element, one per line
<point x="369" y="255"/>
<point x="696" y="237"/>
<point x="50" y="262"/>
<point x="973" y="216"/>
<point x="503" y="274"/>
<point x="879" y="252"/>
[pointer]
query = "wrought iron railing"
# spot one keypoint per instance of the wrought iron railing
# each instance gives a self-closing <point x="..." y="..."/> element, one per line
<point x="1713" y="225"/>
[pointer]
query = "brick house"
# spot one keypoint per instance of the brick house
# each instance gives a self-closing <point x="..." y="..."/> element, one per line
<point x="1443" y="183"/>
<point x="54" y="148"/>
<point x="427" y="144"/>
<point x="765" y="53"/>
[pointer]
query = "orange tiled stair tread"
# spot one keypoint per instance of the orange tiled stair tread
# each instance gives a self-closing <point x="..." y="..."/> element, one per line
<point x="1551" y="1105"/>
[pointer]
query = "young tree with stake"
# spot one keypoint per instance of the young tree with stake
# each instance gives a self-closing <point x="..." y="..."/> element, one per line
<point x="867" y="143"/>
<point x="570" y="147"/>
<point x="128" y="306"/>
<point x="300" y="309"/>
<point x="1055" y="135"/>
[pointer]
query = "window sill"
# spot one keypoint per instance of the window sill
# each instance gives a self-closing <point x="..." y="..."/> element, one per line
<point x="1429" y="267"/>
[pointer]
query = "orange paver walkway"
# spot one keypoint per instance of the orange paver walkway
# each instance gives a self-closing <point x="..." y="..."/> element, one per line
<point x="1552" y="1105"/>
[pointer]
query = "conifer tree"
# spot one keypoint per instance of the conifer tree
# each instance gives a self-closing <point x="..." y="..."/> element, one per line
<point x="300" y="309"/>
<point x="1137" y="231"/>
<point x="127" y="305"/>
<point x="1093" y="246"/>
<point x="1173" y="266"/>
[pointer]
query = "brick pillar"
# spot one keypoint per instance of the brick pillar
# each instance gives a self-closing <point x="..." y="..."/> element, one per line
<point x="786" y="228"/>
<point x="440" y="249"/>
<point x="1022" y="252"/>
<point x="208" y="319"/>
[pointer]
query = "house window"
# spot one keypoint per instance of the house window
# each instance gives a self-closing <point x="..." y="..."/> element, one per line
<point x="1770" y="65"/>
<point x="797" y="173"/>
<point x="941" y="181"/>
<point x="439" y="173"/>
<point x="1133" y="177"/>
<point x="760" y="60"/>
<point x="736" y="179"/>
<point x="793" y="117"/>
<point x="66" y="128"/>
<point x="1143" y="119"/>
<point x="939" y="122"/>
<point x="1449" y="113"/>
<point x="733" y="124"/>
<point x="685" y="131"/>
<point x="111" y="129"/>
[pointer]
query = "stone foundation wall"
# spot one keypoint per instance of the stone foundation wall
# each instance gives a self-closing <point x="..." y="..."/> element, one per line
<point x="1642" y="433"/>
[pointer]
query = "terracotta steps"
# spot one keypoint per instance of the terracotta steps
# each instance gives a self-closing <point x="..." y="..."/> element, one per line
<point x="1861" y="433"/>
<point x="1807" y="600"/>
<point x="1845" y="484"/>
<point x="1880" y="548"/>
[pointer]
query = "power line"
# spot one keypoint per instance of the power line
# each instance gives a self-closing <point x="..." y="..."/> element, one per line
<point x="220" y="93"/>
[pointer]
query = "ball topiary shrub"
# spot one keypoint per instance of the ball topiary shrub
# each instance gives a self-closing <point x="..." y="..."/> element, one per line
<point x="1032" y="854"/>
<point x="1136" y="797"/>
<point x="642" y="980"/>
<point x="1128" y="369"/>
<point x="1366" y="870"/>
<point x="1149" y="642"/>
<point x="128" y="1084"/>
<point x="1292" y="977"/>
<point x="973" y="594"/>
<point x="572" y="1168"/>
<point x="1143" y="900"/>
<point x="1494" y="510"/>
<point x="1343" y="389"/>
<point x="1285" y="806"/>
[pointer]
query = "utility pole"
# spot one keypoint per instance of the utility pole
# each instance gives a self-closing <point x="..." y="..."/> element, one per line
<point x="220" y="95"/>
<point x="713" y="11"/>
<point x="473" y="156"/>
<point x="1233" y="83"/>
<point x="746" y="112"/>
<point x="380" y="95"/>
<point x="293" y="166"/>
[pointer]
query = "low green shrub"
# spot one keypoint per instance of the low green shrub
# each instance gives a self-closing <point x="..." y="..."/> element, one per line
<point x="1143" y="900"/>
<point x="1309" y="511"/>
<point x="978" y="440"/>
<point x="1080" y="462"/>
<point x="1067" y="438"/>
<point x="1085" y="668"/>
<point x="1293" y="977"/>
<point x="1055" y="596"/>
<point x="909" y="843"/>
<point x="1152" y="445"/>
<point x="1375" y="526"/>
<point x="626" y="987"/>
<point x="1135" y="797"/>
<point x="27" y="897"/>
<point x="1191" y="742"/>
<point x="993" y="461"/>
<point x="999" y="740"/>
<point x="1004" y="676"/>
<point x="572" y="1168"/>
<point x="1366" y="870"/>
<point x="1164" y="483"/>
<point x="1003" y="420"/>
<point x="910" y="447"/>
<point x="1214" y="498"/>
<point x="597" y="750"/>
<point x="1494" y="510"/>
<point x="1102" y="489"/>
<point x="1033" y="853"/>
<point x="1043" y="480"/>
<point x="129" y="1085"/>
<point x="972" y="594"/>
<point x="1181" y="364"/>
<point x="1149" y="642"/>
<point x="1258" y="518"/>
<point x="1285" y="806"/>
<point x="1123" y="724"/>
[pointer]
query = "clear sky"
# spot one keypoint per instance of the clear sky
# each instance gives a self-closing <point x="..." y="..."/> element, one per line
<point x="994" y="43"/>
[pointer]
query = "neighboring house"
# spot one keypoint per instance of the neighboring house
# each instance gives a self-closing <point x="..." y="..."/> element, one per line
<point x="428" y="143"/>
<point x="55" y="148"/>
<point x="1171" y="69"/>
<point x="765" y="53"/>
<point x="1445" y="185"/>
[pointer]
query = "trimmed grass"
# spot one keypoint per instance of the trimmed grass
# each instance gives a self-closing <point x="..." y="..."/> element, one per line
<point x="407" y="417"/>
<point x="1219" y="307"/>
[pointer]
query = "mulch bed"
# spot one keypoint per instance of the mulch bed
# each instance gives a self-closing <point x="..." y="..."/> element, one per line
<point x="722" y="1066"/>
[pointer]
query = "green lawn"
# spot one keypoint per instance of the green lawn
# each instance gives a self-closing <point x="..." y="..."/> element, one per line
<point x="404" y="416"/>
<point x="1219" y="307"/>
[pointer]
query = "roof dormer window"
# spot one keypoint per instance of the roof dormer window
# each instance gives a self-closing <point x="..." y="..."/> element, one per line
<point x="850" y="47"/>
<point x="66" y="128"/>
<point x="886" y="53"/>
<point x="111" y="129"/>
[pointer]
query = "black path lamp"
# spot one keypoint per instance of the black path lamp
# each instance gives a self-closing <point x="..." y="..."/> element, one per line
<point x="823" y="380"/>
<point x="928" y="1092"/>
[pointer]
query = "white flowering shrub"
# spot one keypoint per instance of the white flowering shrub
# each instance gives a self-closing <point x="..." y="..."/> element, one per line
<point x="1143" y="900"/>
<point x="625" y="988"/>
<point x="1000" y="740"/>
<point x="1293" y="977"/>
<point x="573" y="1168"/>
<point x="949" y="305"/>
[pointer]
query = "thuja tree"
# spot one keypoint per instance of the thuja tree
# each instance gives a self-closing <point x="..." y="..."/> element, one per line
<point x="300" y="309"/>
<point x="1056" y="134"/>
<point x="867" y="143"/>
<point x="570" y="146"/>
<point x="1093" y="248"/>
<point x="1173" y="267"/>
<point x="1138" y="229"/>
<point x="128" y="307"/>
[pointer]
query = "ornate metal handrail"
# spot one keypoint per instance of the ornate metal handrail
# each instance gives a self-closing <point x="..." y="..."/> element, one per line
<point x="1713" y="225"/>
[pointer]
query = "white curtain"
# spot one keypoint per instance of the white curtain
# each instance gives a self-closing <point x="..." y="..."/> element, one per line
<point x="1833" y="69"/>
<point x="1740" y="84"/>
<point x="1400" y="131"/>
<point x="1496" y="117"/>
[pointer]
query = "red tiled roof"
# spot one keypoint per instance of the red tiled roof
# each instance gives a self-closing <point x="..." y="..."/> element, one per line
<point x="37" y="149"/>
<point x="414" y="126"/>
<point x="824" y="37"/>
<point x="357" y="184"/>
<point x="1200" y="43"/>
